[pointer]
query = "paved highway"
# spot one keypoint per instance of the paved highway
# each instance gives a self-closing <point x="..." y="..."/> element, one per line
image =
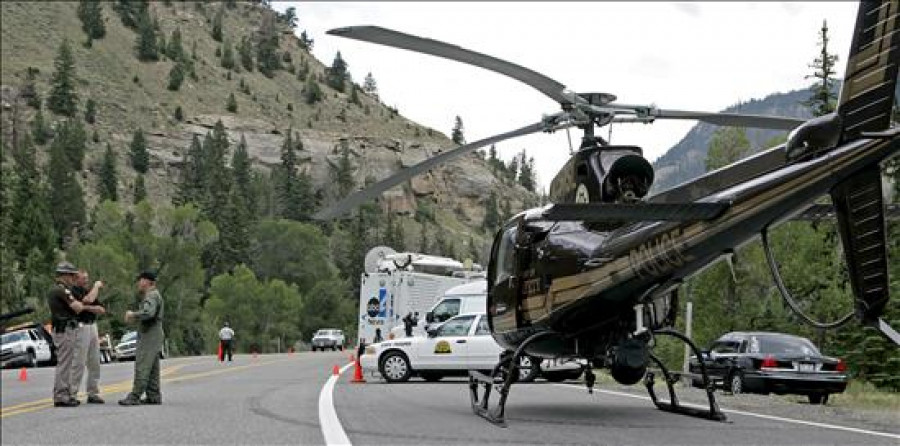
<point x="287" y="399"/>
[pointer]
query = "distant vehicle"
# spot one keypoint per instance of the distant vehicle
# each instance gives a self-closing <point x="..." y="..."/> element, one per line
<point x="763" y="362"/>
<point x="460" y="344"/>
<point x="328" y="338"/>
<point x="28" y="347"/>
<point x="127" y="346"/>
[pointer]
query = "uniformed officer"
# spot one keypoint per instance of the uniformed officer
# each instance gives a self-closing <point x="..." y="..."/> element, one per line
<point x="149" y="344"/>
<point x="226" y="337"/>
<point x="90" y="338"/>
<point x="64" y="309"/>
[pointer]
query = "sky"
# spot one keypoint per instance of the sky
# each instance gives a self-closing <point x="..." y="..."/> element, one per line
<point x="702" y="56"/>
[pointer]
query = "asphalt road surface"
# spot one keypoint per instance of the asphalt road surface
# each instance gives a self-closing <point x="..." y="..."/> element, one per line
<point x="292" y="399"/>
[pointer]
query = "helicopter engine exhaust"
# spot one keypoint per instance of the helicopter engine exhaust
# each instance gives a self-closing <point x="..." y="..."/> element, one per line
<point x="627" y="175"/>
<point x="629" y="361"/>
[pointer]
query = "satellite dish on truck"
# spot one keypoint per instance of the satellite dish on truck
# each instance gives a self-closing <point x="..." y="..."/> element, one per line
<point x="375" y="256"/>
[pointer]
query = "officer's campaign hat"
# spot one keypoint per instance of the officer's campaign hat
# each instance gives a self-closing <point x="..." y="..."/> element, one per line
<point x="149" y="275"/>
<point x="66" y="268"/>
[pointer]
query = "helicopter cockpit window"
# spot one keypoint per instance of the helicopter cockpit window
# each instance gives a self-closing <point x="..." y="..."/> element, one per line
<point x="506" y="256"/>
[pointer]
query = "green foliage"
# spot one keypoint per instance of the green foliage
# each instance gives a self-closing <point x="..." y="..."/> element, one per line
<point x="296" y="252"/>
<point x="354" y="96"/>
<point x="174" y="50"/>
<point x="306" y="42"/>
<point x="72" y="141"/>
<point x="107" y="186"/>
<point x="242" y="174"/>
<point x="526" y="172"/>
<point x="179" y="114"/>
<point x="191" y="188"/>
<point x="293" y="189"/>
<point x="140" y="156"/>
<point x="176" y="77"/>
<point x="342" y="172"/>
<point x="130" y="11"/>
<point x="62" y="99"/>
<point x="140" y="189"/>
<point x="245" y="50"/>
<point x="312" y="93"/>
<point x="66" y="196"/>
<point x="370" y="87"/>
<point x="267" y="56"/>
<point x="728" y="144"/>
<point x="217" y="24"/>
<point x="457" y="134"/>
<point x="31" y="225"/>
<point x="491" y="214"/>
<point x="338" y="74"/>
<point x="824" y="98"/>
<point x="228" y="56"/>
<point x="39" y="129"/>
<point x="147" y="44"/>
<point x="91" y="14"/>
<point x="231" y="105"/>
<point x="29" y="92"/>
<point x="90" y="112"/>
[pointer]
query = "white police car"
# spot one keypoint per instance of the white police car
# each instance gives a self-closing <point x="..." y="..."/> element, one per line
<point x="460" y="344"/>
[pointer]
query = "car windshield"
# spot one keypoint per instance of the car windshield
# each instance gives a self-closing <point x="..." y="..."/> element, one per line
<point x="14" y="337"/>
<point x="456" y="327"/>
<point x="130" y="336"/>
<point x="782" y="345"/>
<point x="726" y="346"/>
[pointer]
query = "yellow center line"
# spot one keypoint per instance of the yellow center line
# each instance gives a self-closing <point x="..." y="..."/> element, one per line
<point x="124" y="386"/>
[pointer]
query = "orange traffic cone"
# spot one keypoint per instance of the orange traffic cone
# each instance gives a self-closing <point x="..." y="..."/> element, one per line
<point x="23" y="374"/>
<point x="357" y="374"/>
<point x="335" y="371"/>
<point x="219" y="354"/>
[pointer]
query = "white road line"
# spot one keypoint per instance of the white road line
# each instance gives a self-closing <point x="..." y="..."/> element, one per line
<point x="328" y="420"/>
<point x="752" y="414"/>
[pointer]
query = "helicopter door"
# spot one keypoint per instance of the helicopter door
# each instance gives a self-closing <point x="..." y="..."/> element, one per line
<point x="502" y="281"/>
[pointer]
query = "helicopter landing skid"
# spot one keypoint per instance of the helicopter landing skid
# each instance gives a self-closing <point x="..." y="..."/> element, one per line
<point x="502" y="377"/>
<point x="673" y="405"/>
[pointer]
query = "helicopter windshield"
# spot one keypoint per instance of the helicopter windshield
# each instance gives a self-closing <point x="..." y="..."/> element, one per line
<point x="504" y="264"/>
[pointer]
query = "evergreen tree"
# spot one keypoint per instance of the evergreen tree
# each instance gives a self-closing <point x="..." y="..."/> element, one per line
<point x="90" y="112"/>
<point x="292" y="189"/>
<point x="32" y="225"/>
<point x="305" y="42"/>
<point x="267" y="57"/>
<point x="176" y="77"/>
<point x="338" y="74"/>
<point x="245" y="50"/>
<point x="179" y="114"/>
<point x="66" y="196"/>
<point x="240" y="166"/>
<point x="91" y="14"/>
<point x="193" y="175"/>
<point x="231" y="105"/>
<point x="161" y="44"/>
<point x="140" y="190"/>
<point x="424" y="243"/>
<point x="146" y="46"/>
<point x="174" y="49"/>
<point x="289" y="17"/>
<point x="107" y="187"/>
<point x="62" y="99"/>
<point x="457" y="134"/>
<point x="140" y="156"/>
<point x="72" y="139"/>
<point x="342" y="172"/>
<point x="217" y="24"/>
<point x="491" y="214"/>
<point x="39" y="129"/>
<point x="130" y="11"/>
<point x="228" y="56"/>
<point x="312" y="93"/>
<point x="526" y="172"/>
<point x="370" y="87"/>
<point x="824" y="98"/>
<point x="28" y="92"/>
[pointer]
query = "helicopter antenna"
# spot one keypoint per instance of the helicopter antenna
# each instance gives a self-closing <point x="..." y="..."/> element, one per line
<point x="569" y="136"/>
<point x="609" y="136"/>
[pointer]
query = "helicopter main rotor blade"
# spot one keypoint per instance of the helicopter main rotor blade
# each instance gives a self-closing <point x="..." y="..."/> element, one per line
<point x="360" y="197"/>
<point x="732" y="119"/>
<point x="384" y="36"/>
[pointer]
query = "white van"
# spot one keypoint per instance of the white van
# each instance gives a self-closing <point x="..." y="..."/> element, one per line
<point x="466" y="298"/>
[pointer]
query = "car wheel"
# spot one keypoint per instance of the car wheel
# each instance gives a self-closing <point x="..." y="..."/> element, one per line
<point x="736" y="383"/>
<point x="395" y="367"/>
<point x="31" y="360"/>
<point x="818" y="398"/>
<point x="529" y="368"/>
<point x="432" y="377"/>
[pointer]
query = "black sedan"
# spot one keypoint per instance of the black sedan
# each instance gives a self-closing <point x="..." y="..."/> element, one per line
<point x="762" y="362"/>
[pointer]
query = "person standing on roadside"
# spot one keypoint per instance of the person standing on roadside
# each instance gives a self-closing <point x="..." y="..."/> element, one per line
<point x="90" y="338"/>
<point x="64" y="310"/>
<point x="226" y="337"/>
<point x="149" y="345"/>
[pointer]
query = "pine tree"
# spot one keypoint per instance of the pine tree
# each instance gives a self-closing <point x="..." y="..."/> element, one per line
<point x="140" y="190"/>
<point x="66" y="196"/>
<point x="228" y="56"/>
<point x="305" y="42"/>
<point x="267" y="56"/>
<point x="370" y="87"/>
<point x="193" y="175"/>
<point x="824" y="98"/>
<point x="91" y="14"/>
<point x="176" y="77"/>
<point x="29" y="92"/>
<point x="312" y="93"/>
<point x="245" y="50"/>
<point x="90" y="111"/>
<point x="526" y="172"/>
<point x="147" y="44"/>
<point x="217" y="24"/>
<point x="72" y="139"/>
<point x="457" y="134"/>
<point x="231" y="105"/>
<point x="107" y="186"/>
<point x="95" y="137"/>
<point x="62" y="99"/>
<point x="179" y="114"/>
<point x="140" y="156"/>
<point x="174" y="49"/>
<point x="342" y="172"/>
<point x="240" y="166"/>
<point x="39" y="129"/>
<point x="491" y="214"/>
<point x="354" y="97"/>
<point x="338" y="74"/>
<point x="29" y="214"/>
<point x="130" y="11"/>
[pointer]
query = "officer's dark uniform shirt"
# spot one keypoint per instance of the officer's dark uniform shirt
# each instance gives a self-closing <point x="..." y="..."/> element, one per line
<point x="59" y="300"/>
<point x="85" y="316"/>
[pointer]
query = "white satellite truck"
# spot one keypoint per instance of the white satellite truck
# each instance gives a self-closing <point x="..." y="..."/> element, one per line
<point x="396" y="284"/>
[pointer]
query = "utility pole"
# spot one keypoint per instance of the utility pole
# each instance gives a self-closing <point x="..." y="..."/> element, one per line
<point x="688" y="320"/>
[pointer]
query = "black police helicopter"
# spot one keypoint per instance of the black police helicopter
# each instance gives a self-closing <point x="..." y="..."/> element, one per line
<point x="595" y="275"/>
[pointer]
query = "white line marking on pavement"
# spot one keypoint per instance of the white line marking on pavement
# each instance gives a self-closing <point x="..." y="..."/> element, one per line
<point x="328" y="420"/>
<point x="752" y="414"/>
